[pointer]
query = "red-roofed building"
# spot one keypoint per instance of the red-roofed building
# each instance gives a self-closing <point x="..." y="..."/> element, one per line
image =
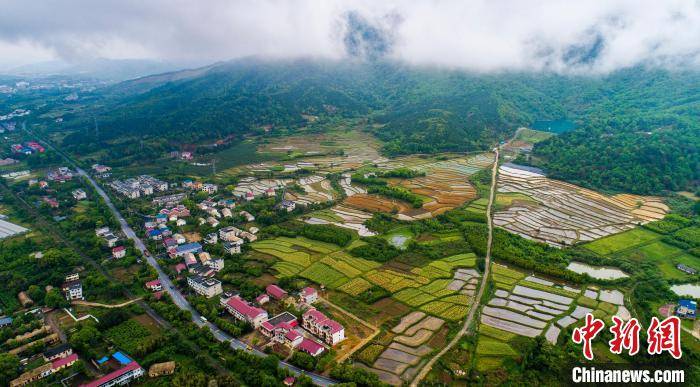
<point x="154" y="286"/>
<point x="281" y="329"/>
<point x="275" y="292"/>
<point x="180" y="267"/>
<point x="311" y="347"/>
<point x="62" y="363"/>
<point x="242" y="310"/>
<point x="308" y="295"/>
<point x="121" y="376"/>
<point x="262" y="299"/>
<point x="289" y="381"/>
<point x="330" y="331"/>
<point x="119" y="252"/>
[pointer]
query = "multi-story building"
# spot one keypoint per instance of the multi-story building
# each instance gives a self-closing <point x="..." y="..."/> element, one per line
<point x="207" y="287"/>
<point x="122" y="376"/>
<point x="330" y="331"/>
<point x="242" y="310"/>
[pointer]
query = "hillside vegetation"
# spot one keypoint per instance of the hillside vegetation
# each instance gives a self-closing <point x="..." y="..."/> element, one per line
<point x="631" y="123"/>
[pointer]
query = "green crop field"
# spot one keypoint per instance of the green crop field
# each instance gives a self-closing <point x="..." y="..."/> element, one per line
<point x="287" y="269"/>
<point x="492" y="347"/>
<point x="128" y="335"/>
<point x="323" y="274"/>
<point x="622" y="241"/>
<point x="356" y="286"/>
<point x="496" y="333"/>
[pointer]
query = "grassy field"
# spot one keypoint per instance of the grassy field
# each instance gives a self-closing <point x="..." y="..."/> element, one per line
<point x="645" y="245"/>
<point x="532" y="136"/>
<point x="622" y="241"/>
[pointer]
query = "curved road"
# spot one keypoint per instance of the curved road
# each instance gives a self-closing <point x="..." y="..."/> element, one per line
<point x="477" y="299"/>
<point x="175" y="294"/>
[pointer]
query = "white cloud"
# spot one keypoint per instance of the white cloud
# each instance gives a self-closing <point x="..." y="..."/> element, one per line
<point x="479" y="35"/>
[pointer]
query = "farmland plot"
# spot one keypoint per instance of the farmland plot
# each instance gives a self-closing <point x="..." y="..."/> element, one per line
<point x="565" y="214"/>
<point x="445" y="186"/>
<point x="398" y="361"/>
<point x="343" y="216"/>
<point x="317" y="189"/>
<point x="259" y="187"/>
<point x="535" y="306"/>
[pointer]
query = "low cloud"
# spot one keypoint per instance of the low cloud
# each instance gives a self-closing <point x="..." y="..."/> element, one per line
<point x="506" y="35"/>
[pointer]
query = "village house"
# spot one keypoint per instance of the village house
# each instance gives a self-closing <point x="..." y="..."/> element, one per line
<point x="53" y="203"/>
<point x="209" y="188"/>
<point x="275" y="292"/>
<point x="262" y="299"/>
<point x="229" y="233"/>
<point x="5" y="321"/>
<point x="101" y="168"/>
<point x="308" y="295"/>
<point x="686" y="269"/>
<point x="24" y="299"/>
<point x="242" y="310"/>
<point x="216" y="264"/>
<point x="330" y="331"/>
<point x="169" y="200"/>
<point x="207" y="287"/>
<point x="211" y="238"/>
<point x="226" y="212"/>
<point x="190" y="259"/>
<point x="60" y="174"/>
<point x="61" y="351"/>
<point x="179" y="238"/>
<point x="181" y="222"/>
<point x="72" y="290"/>
<point x="249" y="196"/>
<point x="193" y="248"/>
<point x="248" y="236"/>
<point x="79" y="194"/>
<point x="247" y="215"/>
<point x="311" y="347"/>
<point x="288" y="205"/>
<point x="687" y="309"/>
<point x="232" y="248"/>
<point x="119" y="252"/>
<point x="44" y="371"/>
<point x="120" y="377"/>
<point x="281" y="329"/>
<point x="154" y="286"/>
<point x="212" y="221"/>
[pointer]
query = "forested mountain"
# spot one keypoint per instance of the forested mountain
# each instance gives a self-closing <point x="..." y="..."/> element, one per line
<point x="639" y="132"/>
<point x="636" y="122"/>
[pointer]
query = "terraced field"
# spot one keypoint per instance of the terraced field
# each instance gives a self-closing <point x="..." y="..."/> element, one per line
<point x="397" y="361"/>
<point x="343" y="216"/>
<point x="259" y="187"/>
<point x="525" y="305"/>
<point x="317" y="189"/>
<point x="562" y="214"/>
<point x="445" y="186"/>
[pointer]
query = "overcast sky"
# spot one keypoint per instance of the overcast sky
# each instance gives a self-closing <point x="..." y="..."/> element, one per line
<point x="489" y="35"/>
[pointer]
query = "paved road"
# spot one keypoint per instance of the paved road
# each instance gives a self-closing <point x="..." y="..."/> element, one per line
<point x="168" y="285"/>
<point x="477" y="298"/>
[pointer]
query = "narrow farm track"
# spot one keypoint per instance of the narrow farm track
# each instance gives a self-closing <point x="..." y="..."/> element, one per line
<point x="100" y="305"/>
<point x="364" y="341"/>
<point x="477" y="298"/>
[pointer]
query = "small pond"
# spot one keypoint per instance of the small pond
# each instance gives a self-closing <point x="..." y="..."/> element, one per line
<point x="597" y="272"/>
<point x="692" y="290"/>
